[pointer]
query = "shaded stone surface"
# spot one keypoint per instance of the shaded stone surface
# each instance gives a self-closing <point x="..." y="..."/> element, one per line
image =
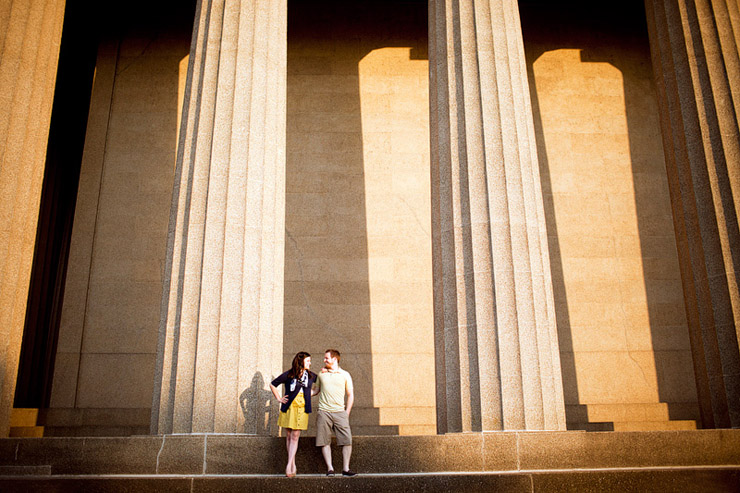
<point x="686" y="480"/>
<point x="698" y="480"/>
<point x="695" y="53"/>
<point x="480" y="452"/>
<point x="627" y="449"/>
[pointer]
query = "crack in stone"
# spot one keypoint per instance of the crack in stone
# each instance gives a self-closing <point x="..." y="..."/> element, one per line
<point x="156" y="470"/>
<point x="136" y="58"/>
<point x="413" y="213"/>
<point x="205" y="452"/>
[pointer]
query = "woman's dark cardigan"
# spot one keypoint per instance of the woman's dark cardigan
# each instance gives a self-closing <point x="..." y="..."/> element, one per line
<point x="285" y="380"/>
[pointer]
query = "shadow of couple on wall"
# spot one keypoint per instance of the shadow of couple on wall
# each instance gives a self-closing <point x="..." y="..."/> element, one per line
<point x="259" y="410"/>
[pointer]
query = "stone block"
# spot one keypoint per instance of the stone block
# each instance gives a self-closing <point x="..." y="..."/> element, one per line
<point x="111" y="484"/>
<point x="116" y="380"/>
<point x="657" y="481"/>
<point x="581" y="450"/>
<point x="236" y="455"/>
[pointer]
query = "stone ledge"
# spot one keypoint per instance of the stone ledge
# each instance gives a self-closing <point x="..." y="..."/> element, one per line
<point x="502" y="451"/>
<point x="705" y="480"/>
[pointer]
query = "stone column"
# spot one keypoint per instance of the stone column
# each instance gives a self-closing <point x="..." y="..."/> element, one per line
<point x="30" y="35"/>
<point x="694" y="46"/>
<point x="498" y="363"/>
<point x="221" y="329"/>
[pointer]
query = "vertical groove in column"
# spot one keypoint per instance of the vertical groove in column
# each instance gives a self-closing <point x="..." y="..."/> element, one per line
<point x="501" y="252"/>
<point x="721" y="130"/>
<point x="435" y="93"/>
<point x="280" y="197"/>
<point x="226" y="233"/>
<point x="522" y="221"/>
<point x="489" y="246"/>
<point x="5" y="10"/>
<point x="10" y="65"/>
<point x="209" y="324"/>
<point x="230" y="316"/>
<point x="172" y="292"/>
<point x="485" y="347"/>
<point x="197" y="213"/>
<point x="551" y="402"/>
<point x="251" y="275"/>
<point x="674" y="138"/>
<point x="266" y="254"/>
<point x="695" y="55"/>
<point x="464" y="272"/>
<point x="449" y="333"/>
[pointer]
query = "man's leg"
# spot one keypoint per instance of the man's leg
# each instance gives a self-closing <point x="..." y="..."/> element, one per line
<point x="326" y="452"/>
<point x="344" y="439"/>
<point x="346" y="453"/>
<point x="323" y="438"/>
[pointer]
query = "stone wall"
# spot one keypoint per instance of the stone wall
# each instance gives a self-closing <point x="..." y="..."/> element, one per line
<point x="104" y="369"/>
<point x="358" y="273"/>
<point x="623" y="334"/>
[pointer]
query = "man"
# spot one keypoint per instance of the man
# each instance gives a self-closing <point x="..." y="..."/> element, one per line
<point x="332" y="385"/>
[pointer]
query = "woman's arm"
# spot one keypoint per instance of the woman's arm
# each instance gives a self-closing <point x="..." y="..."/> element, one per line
<point x="276" y="393"/>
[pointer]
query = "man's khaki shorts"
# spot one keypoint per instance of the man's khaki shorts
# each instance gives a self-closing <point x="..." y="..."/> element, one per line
<point x="339" y="422"/>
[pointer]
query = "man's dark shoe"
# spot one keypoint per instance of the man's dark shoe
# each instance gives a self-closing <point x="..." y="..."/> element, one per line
<point x="330" y="472"/>
<point x="349" y="473"/>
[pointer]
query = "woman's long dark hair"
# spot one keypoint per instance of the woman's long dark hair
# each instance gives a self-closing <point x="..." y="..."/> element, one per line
<point x="296" y="369"/>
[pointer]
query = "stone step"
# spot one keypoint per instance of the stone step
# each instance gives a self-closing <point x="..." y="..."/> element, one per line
<point x="470" y="452"/>
<point x="25" y="470"/>
<point x="26" y="431"/>
<point x="21" y="417"/>
<point x="23" y="423"/>
<point x="634" y="425"/>
<point x="705" y="480"/>
<point x="94" y="431"/>
<point x="654" y="425"/>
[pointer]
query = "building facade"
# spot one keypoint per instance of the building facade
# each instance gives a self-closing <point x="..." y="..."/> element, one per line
<point x="505" y="215"/>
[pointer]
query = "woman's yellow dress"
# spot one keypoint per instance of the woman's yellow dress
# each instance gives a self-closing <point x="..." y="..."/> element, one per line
<point x="295" y="417"/>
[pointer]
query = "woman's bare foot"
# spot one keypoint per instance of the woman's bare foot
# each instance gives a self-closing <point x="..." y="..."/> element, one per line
<point x="289" y="472"/>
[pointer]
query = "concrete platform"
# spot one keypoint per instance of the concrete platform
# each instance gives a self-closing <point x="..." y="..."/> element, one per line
<point x="685" y="480"/>
<point x="705" y="460"/>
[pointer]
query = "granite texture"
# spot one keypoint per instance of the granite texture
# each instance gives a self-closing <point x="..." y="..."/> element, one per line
<point x="496" y="342"/>
<point x="695" y="53"/>
<point x="31" y="32"/>
<point x="220" y="338"/>
<point x="467" y="452"/>
<point x="701" y="480"/>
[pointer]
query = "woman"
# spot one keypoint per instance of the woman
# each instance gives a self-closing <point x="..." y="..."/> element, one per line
<point x="295" y="404"/>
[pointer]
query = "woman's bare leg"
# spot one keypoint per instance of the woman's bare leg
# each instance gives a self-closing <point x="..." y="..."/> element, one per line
<point x="292" y="449"/>
<point x="288" y="447"/>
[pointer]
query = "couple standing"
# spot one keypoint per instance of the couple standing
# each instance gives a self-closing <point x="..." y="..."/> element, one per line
<point x="332" y="384"/>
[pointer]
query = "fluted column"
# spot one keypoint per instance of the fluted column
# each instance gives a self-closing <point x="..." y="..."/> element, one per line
<point x="30" y="35"/>
<point x="221" y="329"/>
<point x="496" y="343"/>
<point x="694" y="46"/>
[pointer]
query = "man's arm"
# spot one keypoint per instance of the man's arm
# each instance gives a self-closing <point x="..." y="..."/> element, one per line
<point x="350" y="394"/>
<point x="316" y="388"/>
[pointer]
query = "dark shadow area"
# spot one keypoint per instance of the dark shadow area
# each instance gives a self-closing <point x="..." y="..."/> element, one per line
<point x="615" y="33"/>
<point x="121" y="181"/>
<point x="327" y="298"/>
<point x="56" y="211"/>
<point x="259" y="410"/>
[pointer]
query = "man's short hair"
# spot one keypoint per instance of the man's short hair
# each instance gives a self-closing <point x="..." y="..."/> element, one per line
<point x="334" y="354"/>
